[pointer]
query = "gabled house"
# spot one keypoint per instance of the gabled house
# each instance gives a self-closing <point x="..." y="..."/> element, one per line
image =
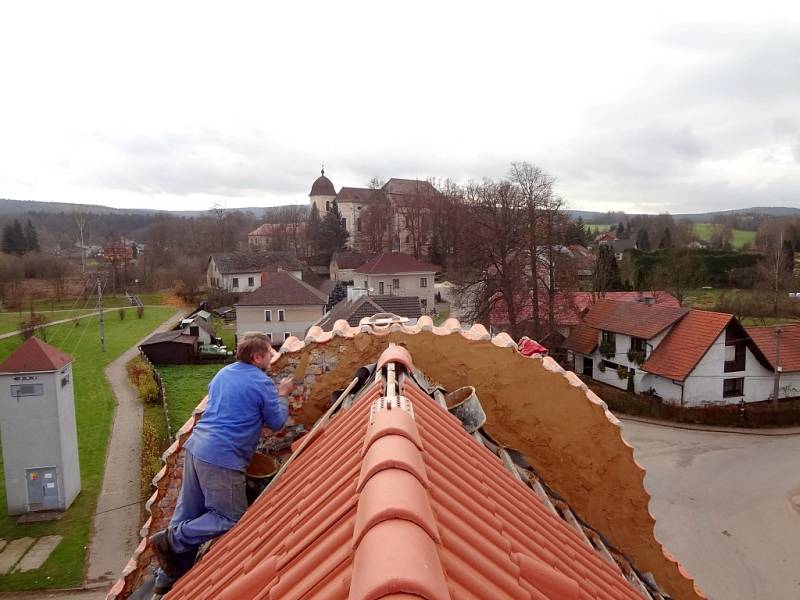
<point x="686" y="356"/>
<point x="199" y="328"/>
<point x="242" y="271"/>
<point x="396" y="274"/>
<point x="766" y="338"/>
<point x="353" y="310"/>
<point x="264" y="236"/>
<point x="343" y="265"/>
<point x="282" y="307"/>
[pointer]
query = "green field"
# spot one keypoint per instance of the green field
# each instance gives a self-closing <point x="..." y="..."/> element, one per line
<point x="94" y="408"/>
<point x="740" y="236"/>
<point x="185" y="386"/>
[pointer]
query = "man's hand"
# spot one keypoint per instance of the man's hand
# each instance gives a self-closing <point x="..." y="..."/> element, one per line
<point x="285" y="387"/>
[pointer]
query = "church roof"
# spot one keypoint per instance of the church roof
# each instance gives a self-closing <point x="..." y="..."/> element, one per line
<point x="322" y="186"/>
<point x="35" y="356"/>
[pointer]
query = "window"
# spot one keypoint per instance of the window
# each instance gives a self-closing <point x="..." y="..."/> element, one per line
<point x="609" y="337"/>
<point x="27" y="389"/>
<point x="358" y="223"/>
<point x="735" y="351"/>
<point x="638" y="344"/>
<point x="423" y="282"/>
<point x="281" y="315"/>
<point x="327" y="205"/>
<point x="286" y="335"/>
<point x="396" y="284"/>
<point x="380" y="288"/>
<point x="588" y="366"/>
<point x="344" y="222"/>
<point x="251" y="281"/>
<point x="733" y="387"/>
<point x="236" y="282"/>
<point x="269" y="335"/>
<point x="268" y="315"/>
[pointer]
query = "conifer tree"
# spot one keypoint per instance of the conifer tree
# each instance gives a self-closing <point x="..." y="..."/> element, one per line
<point x="31" y="237"/>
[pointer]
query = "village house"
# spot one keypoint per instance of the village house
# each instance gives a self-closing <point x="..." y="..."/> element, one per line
<point x="358" y="305"/>
<point x="281" y="307"/>
<point x="343" y="265"/>
<point x="766" y="338"/>
<point x="265" y="236"/>
<point x="396" y="274"/>
<point x="685" y="356"/>
<point x="242" y="271"/>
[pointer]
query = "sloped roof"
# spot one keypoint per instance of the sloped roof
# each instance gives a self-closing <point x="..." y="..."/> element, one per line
<point x="281" y="288"/>
<point x="256" y="262"/>
<point x="569" y="306"/>
<point x="390" y="263"/>
<point x="351" y="259"/>
<point x="384" y="503"/>
<point x="35" y="356"/>
<point x="199" y="322"/>
<point x="582" y="339"/>
<point x="409" y="187"/>
<point x="632" y="318"/>
<point x="366" y="306"/>
<point x="322" y="186"/>
<point x="176" y="335"/>
<point x="358" y="195"/>
<point x="686" y="343"/>
<point x="268" y="229"/>
<point x="764" y="338"/>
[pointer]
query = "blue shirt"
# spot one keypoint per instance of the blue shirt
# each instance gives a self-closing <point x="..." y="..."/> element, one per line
<point x="241" y="400"/>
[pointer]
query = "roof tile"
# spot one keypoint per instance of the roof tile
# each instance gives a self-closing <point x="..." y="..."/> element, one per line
<point x="389" y="263"/>
<point x="34" y="355"/>
<point x="764" y="338"/>
<point x="283" y="289"/>
<point x="632" y="318"/>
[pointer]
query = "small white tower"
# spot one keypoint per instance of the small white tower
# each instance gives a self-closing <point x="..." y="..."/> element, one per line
<point x="37" y="424"/>
<point x="322" y="193"/>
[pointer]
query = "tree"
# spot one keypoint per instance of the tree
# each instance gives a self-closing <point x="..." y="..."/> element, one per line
<point x="333" y="233"/>
<point x="576" y="233"/>
<point x="775" y="271"/>
<point x="313" y="230"/>
<point x="606" y="271"/>
<point x="31" y="238"/>
<point x="721" y="235"/>
<point x="14" y="241"/>
<point x="643" y="240"/>
<point x="448" y="216"/>
<point x="666" y="239"/>
<point x="621" y="230"/>
<point x="680" y="271"/>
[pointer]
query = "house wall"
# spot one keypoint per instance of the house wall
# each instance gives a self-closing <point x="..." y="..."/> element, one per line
<point x="321" y="202"/>
<point x="297" y="320"/>
<point x="225" y="281"/>
<point x="34" y="435"/>
<point x="202" y="335"/>
<point x="610" y="377"/>
<point x="409" y="286"/>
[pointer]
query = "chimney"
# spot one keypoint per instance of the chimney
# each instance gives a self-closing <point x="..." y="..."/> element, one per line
<point x="354" y="293"/>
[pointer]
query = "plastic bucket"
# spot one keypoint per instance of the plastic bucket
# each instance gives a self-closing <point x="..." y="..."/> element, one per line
<point x="259" y="472"/>
<point x="464" y="404"/>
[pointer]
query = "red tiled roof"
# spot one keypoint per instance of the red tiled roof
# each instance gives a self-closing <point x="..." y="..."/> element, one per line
<point x="282" y="288"/>
<point x="390" y="505"/>
<point x="358" y="195"/>
<point x="632" y="318"/>
<point x="395" y="262"/>
<point x="764" y="338"/>
<point x="686" y="343"/>
<point x="582" y="339"/>
<point x="569" y="306"/>
<point x="322" y="186"/>
<point x="350" y="259"/>
<point x="35" y="356"/>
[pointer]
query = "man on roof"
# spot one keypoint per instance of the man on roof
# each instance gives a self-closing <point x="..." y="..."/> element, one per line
<point x="242" y="399"/>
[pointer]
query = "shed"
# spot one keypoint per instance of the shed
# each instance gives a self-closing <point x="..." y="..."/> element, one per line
<point x="170" y="347"/>
<point x="38" y="428"/>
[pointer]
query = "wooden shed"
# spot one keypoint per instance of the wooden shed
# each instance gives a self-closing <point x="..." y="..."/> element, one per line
<point x="171" y="347"/>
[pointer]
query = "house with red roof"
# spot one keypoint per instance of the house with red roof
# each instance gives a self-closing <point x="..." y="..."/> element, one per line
<point x="786" y="360"/>
<point x="687" y="356"/>
<point x="398" y="274"/>
<point x="386" y="491"/>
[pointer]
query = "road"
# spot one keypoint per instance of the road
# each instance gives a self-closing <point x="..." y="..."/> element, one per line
<point x="722" y="503"/>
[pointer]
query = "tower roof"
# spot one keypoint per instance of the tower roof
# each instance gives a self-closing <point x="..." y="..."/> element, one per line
<point x="35" y="356"/>
<point x="322" y="186"/>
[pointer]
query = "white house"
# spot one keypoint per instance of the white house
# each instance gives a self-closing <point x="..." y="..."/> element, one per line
<point x="283" y="306"/>
<point x="686" y="356"/>
<point x="242" y="271"/>
<point x="396" y="274"/>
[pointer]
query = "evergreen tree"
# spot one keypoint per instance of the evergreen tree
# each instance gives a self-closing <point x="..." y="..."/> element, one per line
<point x="31" y="237"/>
<point x="621" y="230"/>
<point x="643" y="240"/>
<point x="606" y="271"/>
<point x="581" y="236"/>
<point x="333" y="231"/>
<point x="14" y="241"/>
<point x="313" y="230"/>
<point x="787" y="260"/>
<point x="666" y="239"/>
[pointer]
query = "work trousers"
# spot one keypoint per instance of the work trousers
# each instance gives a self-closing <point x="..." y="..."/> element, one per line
<point x="211" y="501"/>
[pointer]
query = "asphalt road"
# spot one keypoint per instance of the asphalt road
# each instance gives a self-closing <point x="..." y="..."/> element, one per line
<point x="722" y="503"/>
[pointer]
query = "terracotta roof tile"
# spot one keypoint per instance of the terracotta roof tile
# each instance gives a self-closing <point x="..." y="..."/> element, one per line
<point x="427" y="512"/>
<point x="322" y="186"/>
<point x="269" y="229"/>
<point x="256" y="262"/>
<point x="583" y="339"/>
<point x="283" y="289"/>
<point x="764" y="338"/>
<point x="395" y="262"/>
<point x="33" y="356"/>
<point x="686" y="343"/>
<point x="350" y="259"/>
<point x="359" y="195"/>
<point x="632" y="318"/>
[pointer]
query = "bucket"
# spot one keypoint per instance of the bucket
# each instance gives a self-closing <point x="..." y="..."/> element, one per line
<point x="464" y="404"/>
<point x="259" y="472"/>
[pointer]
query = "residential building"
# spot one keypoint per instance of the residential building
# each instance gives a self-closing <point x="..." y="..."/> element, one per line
<point x="358" y="305"/>
<point x="343" y="265"/>
<point x="240" y="272"/>
<point x="686" y="356"/>
<point x="267" y="235"/>
<point x="766" y="338"/>
<point x="199" y="328"/>
<point x="281" y="307"/>
<point x="396" y="274"/>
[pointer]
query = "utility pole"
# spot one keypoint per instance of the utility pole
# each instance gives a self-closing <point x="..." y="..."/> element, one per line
<point x="102" y="323"/>
<point x="776" y="386"/>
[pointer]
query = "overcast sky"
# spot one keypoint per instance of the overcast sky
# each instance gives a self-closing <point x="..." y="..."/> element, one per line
<point x="636" y="106"/>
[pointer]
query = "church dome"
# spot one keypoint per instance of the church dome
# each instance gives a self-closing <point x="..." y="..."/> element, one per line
<point x="323" y="186"/>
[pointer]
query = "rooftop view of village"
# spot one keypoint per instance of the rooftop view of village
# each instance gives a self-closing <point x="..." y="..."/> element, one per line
<point x="524" y="314"/>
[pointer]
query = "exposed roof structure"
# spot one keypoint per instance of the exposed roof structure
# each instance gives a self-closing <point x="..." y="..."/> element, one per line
<point x="322" y="186"/>
<point x="176" y="335"/>
<point x="359" y="195"/>
<point x="352" y="259"/>
<point x="283" y="289"/>
<point x="632" y="318"/>
<point x="35" y="356"/>
<point x="366" y="306"/>
<point x="389" y="263"/>
<point x="765" y="338"/>
<point x="256" y="262"/>
<point x="489" y="537"/>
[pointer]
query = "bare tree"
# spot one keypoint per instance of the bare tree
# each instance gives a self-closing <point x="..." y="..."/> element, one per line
<point x="79" y="214"/>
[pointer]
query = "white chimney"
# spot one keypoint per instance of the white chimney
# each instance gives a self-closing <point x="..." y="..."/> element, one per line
<point x="354" y="293"/>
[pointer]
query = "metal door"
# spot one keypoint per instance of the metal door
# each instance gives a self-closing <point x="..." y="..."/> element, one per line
<point x="42" y="488"/>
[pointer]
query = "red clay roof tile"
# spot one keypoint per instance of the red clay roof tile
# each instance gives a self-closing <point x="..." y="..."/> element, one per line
<point x="34" y="356"/>
<point x="764" y="338"/>
<point x="632" y="318"/>
<point x="583" y="339"/>
<point x="395" y="262"/>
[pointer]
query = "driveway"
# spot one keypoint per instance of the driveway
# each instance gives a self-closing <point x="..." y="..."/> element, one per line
<point x="722" y="503"/>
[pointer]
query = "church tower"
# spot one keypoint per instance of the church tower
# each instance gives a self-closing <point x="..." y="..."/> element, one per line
<point x="322" y="193"/>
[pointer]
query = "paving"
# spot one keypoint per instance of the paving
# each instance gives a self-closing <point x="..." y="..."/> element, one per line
<point x="116" y="522"/>
<point x="13" y="552"/>
<point x="39" y="553"/>
<point x="723" y="504"/>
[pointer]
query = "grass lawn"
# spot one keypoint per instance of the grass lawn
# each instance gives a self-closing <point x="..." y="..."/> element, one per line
<point x="185" y="386"/>
<point x="226" y="331"/>
<point x="599" y="226"/>
<point x="705" y="299"/>
<point x="740" y="236"/>
<point x="94" y="408"/>
<point x="110" y="301"/>
<point x="9" y="321"/>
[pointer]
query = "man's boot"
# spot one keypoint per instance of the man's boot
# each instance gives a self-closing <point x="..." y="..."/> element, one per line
<point x="165" y="555"/>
